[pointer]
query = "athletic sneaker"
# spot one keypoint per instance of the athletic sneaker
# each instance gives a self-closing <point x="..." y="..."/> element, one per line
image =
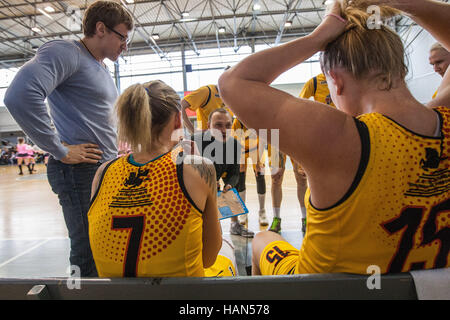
<point x="263" y="218"/>
<point x="242" y="219"/>
<point x="276" y="225"/>
<point x="239" y="230"/>
<point x="303" y="225"/>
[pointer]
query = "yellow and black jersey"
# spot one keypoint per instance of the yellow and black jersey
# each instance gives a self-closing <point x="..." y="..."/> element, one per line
<point x="250" y="141"/>
<point x="396" y="213"/>
<point x="142" y="222"/>
<point x="203" y="101"/>
<point x="248" y="138"/>
<point x="317" y="87"/>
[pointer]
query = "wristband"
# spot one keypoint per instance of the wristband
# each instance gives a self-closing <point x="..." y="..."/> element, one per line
<point x="337" y="17"/>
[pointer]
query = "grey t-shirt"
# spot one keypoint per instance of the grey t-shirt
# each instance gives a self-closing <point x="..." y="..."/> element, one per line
<point x="80" y="93"/>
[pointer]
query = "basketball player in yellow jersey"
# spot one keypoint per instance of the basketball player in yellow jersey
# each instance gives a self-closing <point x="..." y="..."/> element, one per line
<point x="377" y="167"/>
<point x="277" y="163"/>
<point x="154" y="212"/>
<point x="317" y="88"/>
<point x="250" y="141"/>
<point x="203" y="101"/>
<point x="440" y="60"/>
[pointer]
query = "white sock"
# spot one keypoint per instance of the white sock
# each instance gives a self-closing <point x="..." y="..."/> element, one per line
<point x="276" y="212"/>
<point x="262" y="200"/>
<point x="303" y="209"/>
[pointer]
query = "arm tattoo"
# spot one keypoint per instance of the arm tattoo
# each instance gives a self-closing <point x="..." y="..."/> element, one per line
<point x="207" y="171"/>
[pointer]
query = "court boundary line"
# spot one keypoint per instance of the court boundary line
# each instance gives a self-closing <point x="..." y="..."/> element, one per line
<point x="34" y="239"/>
<point x="24" y="253"/>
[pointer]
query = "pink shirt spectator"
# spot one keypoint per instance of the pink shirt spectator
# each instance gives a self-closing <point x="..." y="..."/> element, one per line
<point x="22" y="148"/>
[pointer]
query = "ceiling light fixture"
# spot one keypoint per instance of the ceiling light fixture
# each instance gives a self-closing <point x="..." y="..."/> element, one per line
<point x="185" y="14"/>
<point x="45" y="13"/>
<point x="49" y="9"/>
<point x="288" y="24"/>
<point x="222" y="30"/>
<point x="256" y="7"/>
<point x="36" y="29"/>
<point x="187" y="19"/>
<point x="155" y="36"/>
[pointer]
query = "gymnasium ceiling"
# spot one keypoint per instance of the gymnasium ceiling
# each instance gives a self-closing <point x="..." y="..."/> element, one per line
<point x="190" y="24"/>
<point x="27" y="24"/>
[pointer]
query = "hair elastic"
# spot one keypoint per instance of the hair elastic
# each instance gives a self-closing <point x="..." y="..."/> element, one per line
<point x="337" y="17"/>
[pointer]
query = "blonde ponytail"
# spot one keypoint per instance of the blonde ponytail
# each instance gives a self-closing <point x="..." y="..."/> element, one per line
<point x="143" y="110"/>
<point x="135" y="118"/>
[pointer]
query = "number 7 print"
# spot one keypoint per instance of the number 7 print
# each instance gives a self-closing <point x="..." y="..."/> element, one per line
<point x="136" y="224"/>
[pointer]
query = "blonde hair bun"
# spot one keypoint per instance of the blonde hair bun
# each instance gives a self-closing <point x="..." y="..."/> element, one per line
<point x="375" y="52"/>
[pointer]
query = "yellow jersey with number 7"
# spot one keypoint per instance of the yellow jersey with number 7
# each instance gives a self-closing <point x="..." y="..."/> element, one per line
<point x="142" y="222"/>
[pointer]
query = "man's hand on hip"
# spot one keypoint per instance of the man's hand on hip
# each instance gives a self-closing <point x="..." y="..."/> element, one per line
<point x="82" y="153"/>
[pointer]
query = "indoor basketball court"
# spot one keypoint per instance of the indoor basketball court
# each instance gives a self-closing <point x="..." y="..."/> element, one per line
<point x="33" y="235"/>
<point x="104" y="102"/>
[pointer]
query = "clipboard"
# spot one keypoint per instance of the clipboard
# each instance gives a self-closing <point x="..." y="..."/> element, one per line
<point x="230" y="204"/>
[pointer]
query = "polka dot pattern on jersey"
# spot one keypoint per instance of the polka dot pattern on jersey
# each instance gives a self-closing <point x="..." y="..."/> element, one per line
<point x="151" y="191"/>
<point x="397" y="215"/>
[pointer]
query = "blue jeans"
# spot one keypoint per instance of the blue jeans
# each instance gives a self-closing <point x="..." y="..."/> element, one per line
<point x="72" y="184"/>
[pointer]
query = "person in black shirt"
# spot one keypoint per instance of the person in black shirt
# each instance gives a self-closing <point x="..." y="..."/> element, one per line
<point x="224" y="151"/>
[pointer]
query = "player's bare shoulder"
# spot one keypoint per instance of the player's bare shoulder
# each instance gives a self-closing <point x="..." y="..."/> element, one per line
<point x="196" y="165"/>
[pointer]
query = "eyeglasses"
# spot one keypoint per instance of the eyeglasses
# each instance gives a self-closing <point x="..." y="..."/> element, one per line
<point x="123" y="39"/>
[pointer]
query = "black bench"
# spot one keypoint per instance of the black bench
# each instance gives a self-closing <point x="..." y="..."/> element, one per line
<point x="310" y="286"/>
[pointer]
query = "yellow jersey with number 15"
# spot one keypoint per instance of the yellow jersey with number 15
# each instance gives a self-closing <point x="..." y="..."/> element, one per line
<point x="396" y="214"/>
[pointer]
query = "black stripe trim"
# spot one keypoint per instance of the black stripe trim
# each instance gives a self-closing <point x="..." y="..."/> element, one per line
<point x="209" y="98"/>
<point x="130" y="204"/>
<point x="291" y="271"/>
<point x="180" y="160"/>
<point x="418" y="134"/>
<point x="315" y="85"/>
<point x="363" y="162"/>
<point x="100" y="182"/>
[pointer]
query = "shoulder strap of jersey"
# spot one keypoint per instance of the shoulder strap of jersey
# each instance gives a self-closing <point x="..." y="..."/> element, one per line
<point x="209" y="97"/>
<point x="315" y="85"/>
<point x="101" y="178"/>
<point x="180" y="156"/>
<point x="364" y="136"/>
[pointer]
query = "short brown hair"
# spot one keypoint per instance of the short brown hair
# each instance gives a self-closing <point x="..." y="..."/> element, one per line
<point x="220" y="110"/>
<point x="108" y="12"/>
<point x="437" y="46"/>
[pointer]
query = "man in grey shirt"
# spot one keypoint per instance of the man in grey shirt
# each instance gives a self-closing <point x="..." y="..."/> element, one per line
<point x="81" y="95"/>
